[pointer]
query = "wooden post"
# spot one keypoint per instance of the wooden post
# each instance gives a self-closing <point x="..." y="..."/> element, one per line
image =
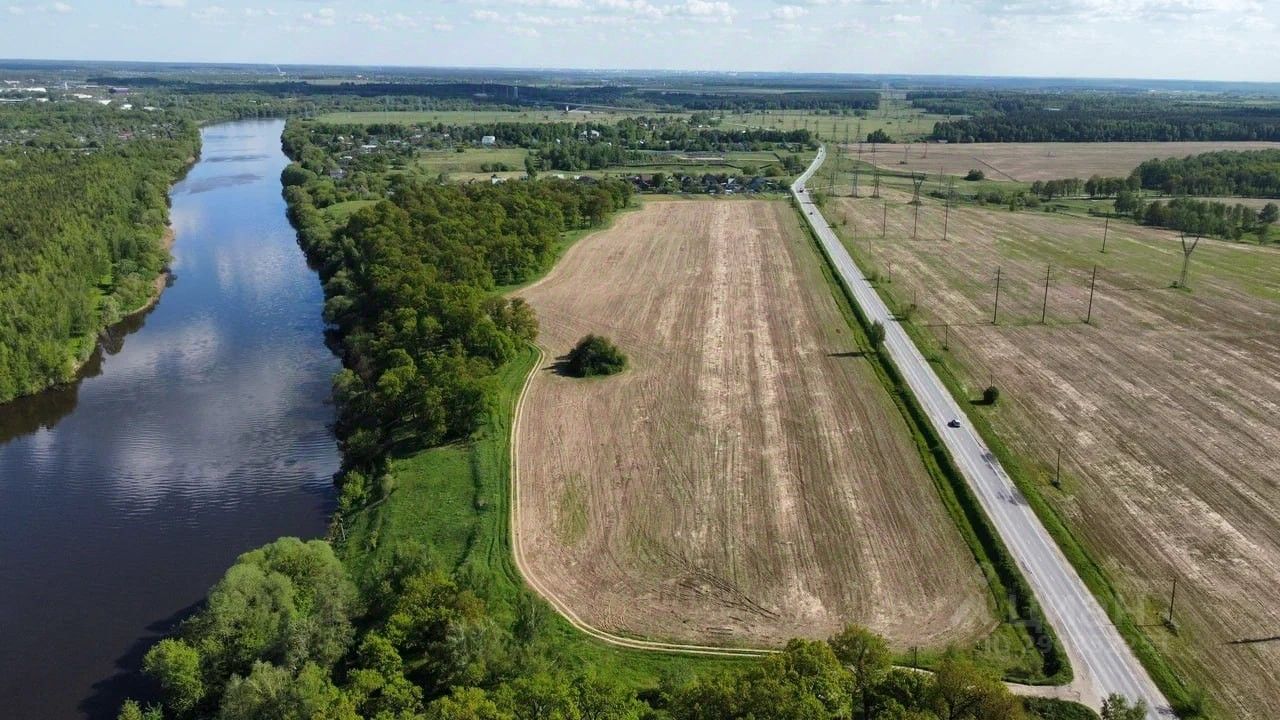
<point x="995" y="313"/>
<point x="946" y="336"/>
<point x="1093" y="280"/>
<point x="1044" y="309"/>
<point x="1057" y="470"/>
<point x="1106" y="225"/>
<point x="1173" y="594"/>
<point x="884" y="219"/>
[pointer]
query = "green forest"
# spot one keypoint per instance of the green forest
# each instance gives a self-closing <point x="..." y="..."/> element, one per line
<point x="289" y="633"/>
<point x="83" y="208"/>
<point x="1011" y="116"/>
<point x="1251" y="173"/>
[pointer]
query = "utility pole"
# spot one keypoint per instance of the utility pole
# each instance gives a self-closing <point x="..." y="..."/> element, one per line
<point x="1057" y="470"/>
<point x="1044" y="309"/>
<point x="946" y="336"/>
<point x="1093" y="279"/>
<point x="995" y="313"/>
<point x="884" y="220"/>
<point x="1105" y="226"/>
<point x="1173" y="594"/>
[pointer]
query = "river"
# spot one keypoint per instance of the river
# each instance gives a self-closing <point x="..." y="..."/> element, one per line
<point x="201" y="431"/>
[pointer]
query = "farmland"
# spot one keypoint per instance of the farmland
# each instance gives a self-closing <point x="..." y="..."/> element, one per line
<point x="1027" y="162"/>
<point x="1166" y="407"/>
<point x="895" y="117"/>
<point x="747" y="479"/>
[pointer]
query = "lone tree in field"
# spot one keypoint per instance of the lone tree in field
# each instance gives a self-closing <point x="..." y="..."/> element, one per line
<point x="975" y="175"/>
<point x="595" y="355"/>
<point x="990" y="395"/>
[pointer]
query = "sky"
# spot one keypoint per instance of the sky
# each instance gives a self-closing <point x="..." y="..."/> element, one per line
<point x="1182" y="39"/>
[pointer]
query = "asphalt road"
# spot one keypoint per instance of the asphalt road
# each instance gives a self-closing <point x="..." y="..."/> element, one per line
<point x="1102" y="662"/>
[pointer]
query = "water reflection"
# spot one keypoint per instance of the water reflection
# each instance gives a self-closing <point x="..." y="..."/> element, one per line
<point x="199" y="430"/>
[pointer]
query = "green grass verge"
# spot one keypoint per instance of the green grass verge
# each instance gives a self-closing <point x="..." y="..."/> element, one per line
<point x="455" y="501"/>
<point x="1025" y="628"/>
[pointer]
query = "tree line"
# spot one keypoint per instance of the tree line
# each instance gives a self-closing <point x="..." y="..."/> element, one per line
<point x="1009" y="116"/>
<point x="1204" y="217"/>
<point x="1253" y="173"/>
<point x="83" y="207"/>
<point x="409" y="287"/>
<point x="289" y="632"/>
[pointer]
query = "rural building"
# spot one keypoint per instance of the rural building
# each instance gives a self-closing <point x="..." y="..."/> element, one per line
<point x="488" y="140"/>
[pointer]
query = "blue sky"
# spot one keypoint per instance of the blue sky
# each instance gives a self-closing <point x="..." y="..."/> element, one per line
<point x="1194" y="39"/>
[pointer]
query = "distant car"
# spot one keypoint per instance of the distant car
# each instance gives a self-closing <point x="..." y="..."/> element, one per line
<point x="953" y="423"/>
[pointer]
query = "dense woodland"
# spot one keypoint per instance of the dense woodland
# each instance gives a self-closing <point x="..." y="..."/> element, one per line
<point x="1254" y="173"/>
<point x="503" y="95"/>
<point x="1002" y="116"/>
<point x="1232" y="221"/>
<point x="289" y="633"/>
<point x="83" y="207"/>
<point x="409" y="286"/>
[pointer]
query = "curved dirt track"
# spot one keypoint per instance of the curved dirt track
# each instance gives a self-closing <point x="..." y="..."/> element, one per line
<point x="746" y="480"/>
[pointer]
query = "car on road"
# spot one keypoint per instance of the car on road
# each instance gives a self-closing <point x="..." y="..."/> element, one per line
<point x="953" y="423"/>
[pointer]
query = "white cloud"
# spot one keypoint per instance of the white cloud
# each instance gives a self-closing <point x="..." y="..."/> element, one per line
<point x="708" y="9"/>
<point x="210" y="14"/>
<point x="486" y="16"/>
<point x="161" y="3"/>
<point x="324" y="17"/>
<point x="15" y="10"/>
<point x="904" y="19"/>
<point x="788" y="12"/>
<point x="60" y="8"/>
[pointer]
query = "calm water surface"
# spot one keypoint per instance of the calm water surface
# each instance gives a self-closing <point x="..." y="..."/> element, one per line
<point x="200" y="432"/>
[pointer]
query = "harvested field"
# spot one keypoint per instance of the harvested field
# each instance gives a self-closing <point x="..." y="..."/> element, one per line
<point x="1166" y="408"/>
<point x="747" y="479"/>
<point x="1027" y="162"/>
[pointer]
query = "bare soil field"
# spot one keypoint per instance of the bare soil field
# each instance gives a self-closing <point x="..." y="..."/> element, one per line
<point x="747" y="479"/>
<point x="1027" y="162"/>
<point x="1166" y="407"/>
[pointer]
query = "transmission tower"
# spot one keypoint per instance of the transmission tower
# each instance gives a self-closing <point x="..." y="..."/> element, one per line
<point x="875" y="173"/>
<point x="916" y="181"/>
<point x="856" y="168"/>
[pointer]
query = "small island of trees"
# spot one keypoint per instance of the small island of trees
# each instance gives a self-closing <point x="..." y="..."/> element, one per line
<point x="595" y="355"/>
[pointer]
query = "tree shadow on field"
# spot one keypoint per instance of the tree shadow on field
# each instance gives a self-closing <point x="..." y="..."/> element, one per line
<point x="850" y="354"/>
<point x="560" y="367"/>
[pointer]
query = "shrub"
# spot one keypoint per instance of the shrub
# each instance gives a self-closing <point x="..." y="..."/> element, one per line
<point x="876" y="334"/>
<point x="879" y="136"/>
<point x="990" y="395"/>
<point x="595" y="355"/>
<point x="975" y="175"/>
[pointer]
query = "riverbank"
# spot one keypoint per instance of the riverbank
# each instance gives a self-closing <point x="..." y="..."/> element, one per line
<point x="86" y="346"/>
<point x="198" y="430"/>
